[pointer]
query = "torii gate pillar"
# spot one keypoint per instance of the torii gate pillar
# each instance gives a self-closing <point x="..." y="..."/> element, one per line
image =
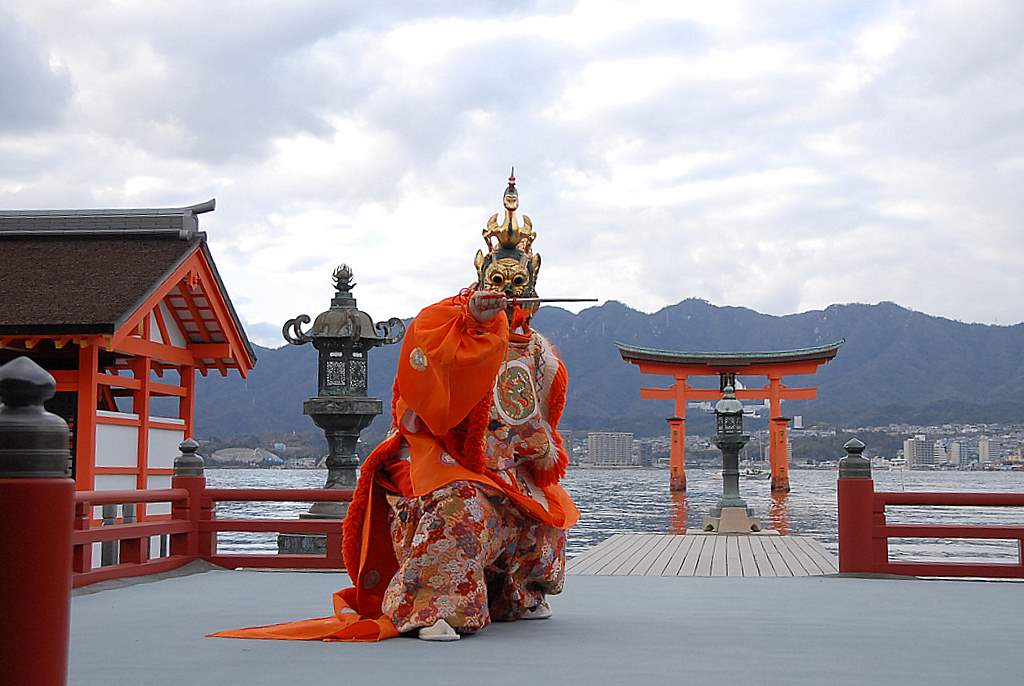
<point x="677" y="453"/>
<point x="778" y="451"/>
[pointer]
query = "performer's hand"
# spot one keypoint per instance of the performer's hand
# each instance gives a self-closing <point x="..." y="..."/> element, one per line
<point x="485" y="305"/>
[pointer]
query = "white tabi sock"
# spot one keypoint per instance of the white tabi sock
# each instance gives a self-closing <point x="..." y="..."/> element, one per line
<point x="542" y="611"/>
<point x="439" y="631"/>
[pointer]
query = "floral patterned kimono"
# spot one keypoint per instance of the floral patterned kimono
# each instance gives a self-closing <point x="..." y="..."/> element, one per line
<point x="458" y="513"/>
<point x="467" y="553"/>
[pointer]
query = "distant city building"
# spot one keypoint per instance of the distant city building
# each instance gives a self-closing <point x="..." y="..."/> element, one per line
<point x="919" y="451"/>
<point x="644" y="453"/>
<point x="608" y="448"/>
<point x="984" y="450"/>
<point x="958" y="454"/>
<point x="567" y="442"/>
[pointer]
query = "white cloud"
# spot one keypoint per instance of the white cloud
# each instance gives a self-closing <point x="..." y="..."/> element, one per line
<point x="780" y="156"/>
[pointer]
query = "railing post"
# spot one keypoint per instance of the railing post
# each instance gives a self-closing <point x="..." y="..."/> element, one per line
<point x="81" y="556"/>
<point x="108" y="549"/>
<point x="189" y="475"/>
<point x="37" y="500"/>
<point x="856" y="499"/>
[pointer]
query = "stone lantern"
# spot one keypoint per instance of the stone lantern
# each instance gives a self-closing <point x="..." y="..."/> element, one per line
<point x="731" y="515"/>
<point x="343" y="336"/>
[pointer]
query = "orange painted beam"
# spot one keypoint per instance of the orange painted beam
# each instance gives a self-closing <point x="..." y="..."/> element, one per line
<point x="755" y="394"/>
<point x="212" y="350"/>
<point x="658" y="393"/>
<point x="65" y="376"/>
<point x="157" y="424"/>
<point x="167" y="353"/>
<point x="166" y="389"/>
<point x="118" y="381"/>
<point x="742" y="394"/>
<point x="117" y="421"/>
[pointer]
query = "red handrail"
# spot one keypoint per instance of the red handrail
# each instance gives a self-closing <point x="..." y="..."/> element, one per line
<point x="193" y="527"/>
<point x="864" y="534"/>
<point x="955" y="499"/>
<point x="309" y="495"/>
<point x="161" y="495"/>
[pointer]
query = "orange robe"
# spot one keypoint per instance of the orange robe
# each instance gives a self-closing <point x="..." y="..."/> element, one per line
<point x="443" y="395"/>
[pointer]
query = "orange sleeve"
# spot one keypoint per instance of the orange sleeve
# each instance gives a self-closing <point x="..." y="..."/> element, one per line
<point x="449" y="362"/>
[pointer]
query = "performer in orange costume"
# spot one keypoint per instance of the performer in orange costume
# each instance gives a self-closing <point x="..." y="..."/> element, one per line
<point x="458" y="517"/>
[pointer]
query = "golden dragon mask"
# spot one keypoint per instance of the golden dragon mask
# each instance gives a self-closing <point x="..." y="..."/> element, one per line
<point x="509" y="266"/>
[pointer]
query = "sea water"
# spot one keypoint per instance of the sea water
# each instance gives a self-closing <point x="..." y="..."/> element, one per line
<point x="615" y="501"/>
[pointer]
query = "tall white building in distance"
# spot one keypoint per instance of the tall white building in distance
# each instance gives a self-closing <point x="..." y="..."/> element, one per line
<point x="919" y="451"/>
<point x="610" y="448"/>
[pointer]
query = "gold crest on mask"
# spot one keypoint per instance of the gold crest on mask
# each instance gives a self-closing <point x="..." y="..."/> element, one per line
<point x="509" y="266"/>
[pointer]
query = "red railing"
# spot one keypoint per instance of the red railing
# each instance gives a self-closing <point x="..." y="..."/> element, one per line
<point x="864" y="534"/>
<point x="192" y="530"/>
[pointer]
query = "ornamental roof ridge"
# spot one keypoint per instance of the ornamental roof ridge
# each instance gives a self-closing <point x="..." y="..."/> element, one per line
<point x="177" y="222"/>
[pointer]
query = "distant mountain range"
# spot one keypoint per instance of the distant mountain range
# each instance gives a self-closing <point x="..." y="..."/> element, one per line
<point x="897" y="366"/>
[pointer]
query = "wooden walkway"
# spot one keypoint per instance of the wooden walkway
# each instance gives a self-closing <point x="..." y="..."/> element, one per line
<point x="699" y="554"/>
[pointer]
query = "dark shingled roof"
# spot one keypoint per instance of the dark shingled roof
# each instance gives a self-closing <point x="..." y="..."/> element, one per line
<point x="85" y="271"/>
<point x="78" y="284"/>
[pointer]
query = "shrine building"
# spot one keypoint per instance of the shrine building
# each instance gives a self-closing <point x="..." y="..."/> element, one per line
<point x="123" y="308"/>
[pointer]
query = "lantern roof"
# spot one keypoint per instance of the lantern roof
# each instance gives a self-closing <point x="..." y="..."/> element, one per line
<point x="344" y="320"/>
<point x="729" y="404"/>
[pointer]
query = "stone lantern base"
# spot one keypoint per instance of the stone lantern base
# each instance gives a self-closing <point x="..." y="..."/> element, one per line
<point x="311" y="544"/>
<point x="732" y="520"/>
<point x="302" y="544"/>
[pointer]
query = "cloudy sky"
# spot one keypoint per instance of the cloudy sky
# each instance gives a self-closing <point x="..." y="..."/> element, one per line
<point x="777" y="155"/>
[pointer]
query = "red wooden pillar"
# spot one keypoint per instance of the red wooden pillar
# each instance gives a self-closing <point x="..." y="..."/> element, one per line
<point x="778" y="432"/>
<point x="677" y="453"/>
<point x="85" y="422"/>
<point x="189" y="474"/>
<point x="188" y="544"/>
<point x="677" y="437"/>
<point x="856" y="496"/>
<point x="141" y="368"/>
<point x="37" y="499"/>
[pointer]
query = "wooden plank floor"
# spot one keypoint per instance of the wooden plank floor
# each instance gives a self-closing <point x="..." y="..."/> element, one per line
<point x="700" y="554"/>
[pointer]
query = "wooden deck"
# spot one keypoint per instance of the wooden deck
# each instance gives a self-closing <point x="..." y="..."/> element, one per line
<point x="699" y="554"/>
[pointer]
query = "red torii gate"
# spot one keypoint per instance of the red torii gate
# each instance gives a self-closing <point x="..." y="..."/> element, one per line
<point x="774" y="365"/>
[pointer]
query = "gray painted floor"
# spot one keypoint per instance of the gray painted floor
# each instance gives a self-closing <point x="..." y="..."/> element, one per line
<point x="606" y="630"/>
